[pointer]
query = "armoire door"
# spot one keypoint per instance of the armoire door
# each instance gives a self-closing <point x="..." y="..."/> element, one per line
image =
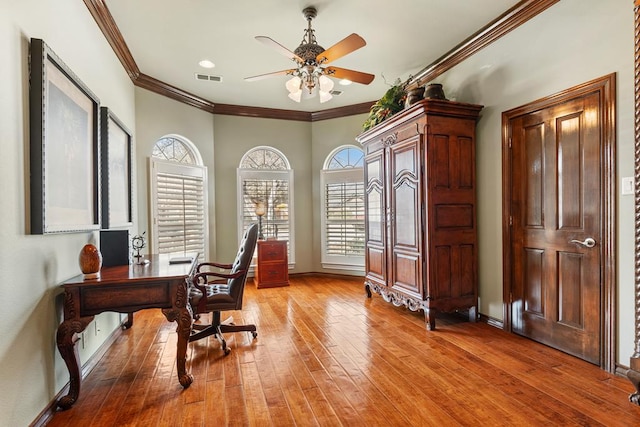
<point x="375" y="211"/>
<point x="556" y="235"/>
<point x="405" y="215"/>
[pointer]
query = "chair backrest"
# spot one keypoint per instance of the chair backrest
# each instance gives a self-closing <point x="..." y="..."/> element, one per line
<point x="243" y="262"/>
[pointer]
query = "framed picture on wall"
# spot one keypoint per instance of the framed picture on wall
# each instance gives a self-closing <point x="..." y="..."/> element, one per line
<point x="64" y="147"/>
<point x="115" y="153"/>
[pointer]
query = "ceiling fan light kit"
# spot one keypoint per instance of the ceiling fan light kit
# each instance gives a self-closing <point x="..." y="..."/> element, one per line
<point x="310" y="77"/>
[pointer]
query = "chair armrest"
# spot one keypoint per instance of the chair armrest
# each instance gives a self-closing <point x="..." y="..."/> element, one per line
<point x="200" y="281"/>
<point x="214" y="264"/>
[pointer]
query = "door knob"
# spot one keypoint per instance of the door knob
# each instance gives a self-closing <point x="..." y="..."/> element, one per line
<point x="589" y="242"/>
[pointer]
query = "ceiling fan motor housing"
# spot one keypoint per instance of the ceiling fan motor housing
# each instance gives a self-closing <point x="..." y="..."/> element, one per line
<point x="309" y="52"/>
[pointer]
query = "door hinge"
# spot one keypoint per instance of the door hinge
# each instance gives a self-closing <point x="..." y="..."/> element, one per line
<point x="510" y="220"/>
<point x="509" y="142"/>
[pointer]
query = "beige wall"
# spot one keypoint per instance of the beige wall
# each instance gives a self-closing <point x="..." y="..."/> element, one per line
<point x="572" y="42"/>
<point x="31" y="267"/>
<point x="156" y="117"/>
<point x="234" y="136"/>
<point x="326" y="135"/>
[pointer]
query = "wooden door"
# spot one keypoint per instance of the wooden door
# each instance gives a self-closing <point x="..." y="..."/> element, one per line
<point x="405" y="202"/>
<point x="556" y="215"/>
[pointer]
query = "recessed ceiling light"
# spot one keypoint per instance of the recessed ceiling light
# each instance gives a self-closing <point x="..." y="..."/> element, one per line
<point x="345" y="82"/>
<point x="205" y="63"/>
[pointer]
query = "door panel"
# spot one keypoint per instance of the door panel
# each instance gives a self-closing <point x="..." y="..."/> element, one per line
<point x="556" y="204"/>
<point x="375" y="253"/>
<point x="405" y="201"/>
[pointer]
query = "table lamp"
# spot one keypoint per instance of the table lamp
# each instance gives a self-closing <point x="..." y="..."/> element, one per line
<point x="260" y="213"/>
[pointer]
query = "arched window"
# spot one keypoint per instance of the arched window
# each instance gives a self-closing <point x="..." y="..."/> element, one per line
<point x="265" y="184"/>
<point x="179" y="214"/>
<point x="343" y="209"/>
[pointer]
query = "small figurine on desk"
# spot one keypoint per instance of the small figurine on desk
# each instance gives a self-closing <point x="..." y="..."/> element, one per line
<point x="137" y="243"/>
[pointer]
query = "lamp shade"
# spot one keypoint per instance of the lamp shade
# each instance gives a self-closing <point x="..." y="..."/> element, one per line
<point x="293" y="84"/>
<point x="326" y="84"/>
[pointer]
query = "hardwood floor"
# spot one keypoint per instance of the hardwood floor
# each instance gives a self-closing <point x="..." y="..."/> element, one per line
<point x="326" y="355"/>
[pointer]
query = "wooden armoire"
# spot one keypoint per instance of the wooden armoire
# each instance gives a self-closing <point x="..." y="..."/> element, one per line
<point x="420" y="201"/>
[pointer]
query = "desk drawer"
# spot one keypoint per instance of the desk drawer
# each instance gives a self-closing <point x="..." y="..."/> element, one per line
<point x="272" y="251"/>
<point x="273" y="272"/>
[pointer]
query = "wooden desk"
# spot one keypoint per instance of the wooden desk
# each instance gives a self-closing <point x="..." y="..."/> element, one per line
<point x="125" y="289"/>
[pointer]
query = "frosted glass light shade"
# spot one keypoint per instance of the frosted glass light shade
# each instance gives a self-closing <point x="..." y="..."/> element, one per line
<point x="293" y="84"/>
<point x="326" y="84"/>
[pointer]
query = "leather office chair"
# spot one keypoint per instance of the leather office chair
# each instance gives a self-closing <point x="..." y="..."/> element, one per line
<point x="214" y="292"/>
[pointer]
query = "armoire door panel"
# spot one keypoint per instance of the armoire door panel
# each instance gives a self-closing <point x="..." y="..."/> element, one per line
<point x="465" y="163"/>
<point x="440" y="161"/>
<point x="443" y="266"/>
<point x="375" y="261"/>
<point x="374" y="200"/>
<point x="407" y="273"/>
<point x="467" y="276"/>
<point x="405" y="215"/>
<point x="453" y="216"/>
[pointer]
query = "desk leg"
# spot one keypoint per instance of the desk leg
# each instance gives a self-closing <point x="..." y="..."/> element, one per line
<point x="129" y="322"/>
<point x="182" y="314"/>
<point x="66" y="340"/>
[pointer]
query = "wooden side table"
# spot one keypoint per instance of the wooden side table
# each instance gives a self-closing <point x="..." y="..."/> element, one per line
<point x="272" y="269"/>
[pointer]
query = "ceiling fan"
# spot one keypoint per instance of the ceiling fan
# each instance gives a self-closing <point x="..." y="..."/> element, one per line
<point x="311" y="60"/>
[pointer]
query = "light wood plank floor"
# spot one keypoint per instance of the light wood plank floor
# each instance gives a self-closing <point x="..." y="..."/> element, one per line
<point x="326" y="355"/>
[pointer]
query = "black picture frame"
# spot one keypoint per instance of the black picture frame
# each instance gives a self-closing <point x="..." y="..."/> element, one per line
<point x="64" y="147"/>
<point x="115" y="154"/>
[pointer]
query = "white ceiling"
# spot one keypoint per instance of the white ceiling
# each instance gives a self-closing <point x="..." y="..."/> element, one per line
<point x="168" y="38"/>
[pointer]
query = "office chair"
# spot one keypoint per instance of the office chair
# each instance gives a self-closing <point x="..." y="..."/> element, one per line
<point x="214" y="292"/>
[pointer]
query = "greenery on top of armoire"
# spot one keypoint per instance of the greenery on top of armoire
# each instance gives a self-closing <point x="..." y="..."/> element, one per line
<point x="391" y="103"/>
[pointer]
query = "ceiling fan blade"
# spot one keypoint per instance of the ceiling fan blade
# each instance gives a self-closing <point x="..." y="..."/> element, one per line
<point x="340" y="49"/>
<point x="278" y="47"/>
<point x="354" y="76"/>
<point x="265" y="76"/>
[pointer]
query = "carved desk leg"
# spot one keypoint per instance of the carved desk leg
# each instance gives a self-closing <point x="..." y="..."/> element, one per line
<point x="367" y="289"/>
<point x="129" y="322"/>
<point x="182" y="314"/>
<point x="66" y="340"/>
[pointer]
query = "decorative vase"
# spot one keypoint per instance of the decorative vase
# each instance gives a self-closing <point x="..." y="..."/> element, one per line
<point x="90" y="261"/>
<point x="434" y="91"/>
<point x="414" y="95"/>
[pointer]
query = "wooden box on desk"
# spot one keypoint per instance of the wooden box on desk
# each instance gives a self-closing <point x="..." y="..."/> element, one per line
<point x="272" y="268"/>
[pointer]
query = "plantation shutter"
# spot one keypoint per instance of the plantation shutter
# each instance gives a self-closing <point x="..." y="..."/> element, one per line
<point x="344" y="212"/>
<point x="343" y="218"/>
<point x="179" y="208"/>
<point x="273" y="189"/>
<point x="275" y="192"/>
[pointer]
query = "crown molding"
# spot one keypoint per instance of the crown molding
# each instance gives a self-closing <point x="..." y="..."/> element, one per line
<point x="511" y="19"/>
<point x="154" y="85"/>
<point x="508" y="21"/>
<point x="107" y="25"/>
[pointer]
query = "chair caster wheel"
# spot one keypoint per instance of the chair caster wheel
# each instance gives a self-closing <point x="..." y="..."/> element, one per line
<point x="254" y="334"/>
<point x="226" y="351"/>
